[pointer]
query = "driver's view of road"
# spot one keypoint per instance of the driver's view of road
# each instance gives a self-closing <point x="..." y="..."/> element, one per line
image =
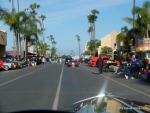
<point x="37" y="88"/>
<point x="75" y="56"/>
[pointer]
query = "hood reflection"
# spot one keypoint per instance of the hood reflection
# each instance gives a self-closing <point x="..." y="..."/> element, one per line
<point x="110" y="104"/>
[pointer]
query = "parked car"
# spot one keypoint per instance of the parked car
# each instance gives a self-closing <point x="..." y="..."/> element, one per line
<point x="86" y="60"/>
<point x="73" y="63"/>
<point x="17" y="64"/>
<point x="93" y="61"/>
<point x="1" y="65"/>
<point x="7" y="63"/>
<point x="67" y="60"/>
<point x="105" y="59"/>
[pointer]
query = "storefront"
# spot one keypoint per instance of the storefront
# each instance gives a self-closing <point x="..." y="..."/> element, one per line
<point x="143" y="48"/>
<point x="3" y="43"/>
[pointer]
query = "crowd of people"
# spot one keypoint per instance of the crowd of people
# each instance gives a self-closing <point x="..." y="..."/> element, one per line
<point x="33" y="61"/>
<point x="132" y="67"/>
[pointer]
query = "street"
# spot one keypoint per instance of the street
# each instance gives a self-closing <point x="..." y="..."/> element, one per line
<point x="57" y="87"/>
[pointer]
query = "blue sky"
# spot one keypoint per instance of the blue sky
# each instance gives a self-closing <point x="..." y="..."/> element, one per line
<point x="66" y="18"/>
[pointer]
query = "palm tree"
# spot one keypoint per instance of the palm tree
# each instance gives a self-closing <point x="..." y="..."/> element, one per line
<point x="29" y="27"/>
<point x="78" y="40"/>
<point x="53" y="43"/>
<point x="91" y="44"/>
<point x="142" y="20"/>
<point x="12" y="20"/>
<point x="53" y="51"/>
<point x="90" y="30"/>
<point x="92" y="19"/>
<point x="42" y="48"/>
<point x="42" y="18"/>
<point x="52" y="39"/>
<point x="19" y="38"/>
<point x="16" y="38"/>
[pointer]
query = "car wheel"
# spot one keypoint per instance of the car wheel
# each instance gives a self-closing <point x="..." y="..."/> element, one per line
<point x="6" y="68"/>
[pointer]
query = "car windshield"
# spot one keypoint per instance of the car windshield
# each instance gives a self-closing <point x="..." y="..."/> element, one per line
<point x="54" y="53"/>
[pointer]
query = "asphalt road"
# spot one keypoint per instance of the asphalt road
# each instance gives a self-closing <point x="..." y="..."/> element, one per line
<point x="57" y="87"/>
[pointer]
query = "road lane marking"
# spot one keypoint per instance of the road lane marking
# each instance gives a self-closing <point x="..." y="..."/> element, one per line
<point x="117" y="82"/>
<point x="19" y="77"/>
<point x="129" y="87"/>
<point x="56" y="100"/>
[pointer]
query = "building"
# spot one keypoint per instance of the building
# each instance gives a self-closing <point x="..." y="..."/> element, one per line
<point x="143" y="48"/>
<point x="109" y="40"/>
<point x="3" y="42"/>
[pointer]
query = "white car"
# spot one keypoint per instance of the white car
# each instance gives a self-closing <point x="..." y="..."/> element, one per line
<point x="7" y="66"/>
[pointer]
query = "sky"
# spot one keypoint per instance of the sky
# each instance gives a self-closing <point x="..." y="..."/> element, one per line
<point x="66" y="18"/>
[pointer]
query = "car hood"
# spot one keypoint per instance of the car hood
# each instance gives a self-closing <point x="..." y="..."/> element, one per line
<point x="110" y="104"/>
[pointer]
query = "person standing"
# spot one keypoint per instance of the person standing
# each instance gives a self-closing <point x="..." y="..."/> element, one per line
<point x="43" y="60"/>
<point x="100" y="65"/>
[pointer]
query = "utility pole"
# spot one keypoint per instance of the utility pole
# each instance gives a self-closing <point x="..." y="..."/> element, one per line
<point x="133" y="14"/>
<point x="19" y="39"/>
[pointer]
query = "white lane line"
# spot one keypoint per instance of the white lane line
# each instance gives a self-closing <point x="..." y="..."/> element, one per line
<point x="124" y="85"/>
<point x="129" y="87"/>
<point x="19" y="77"/>
<point x="56" y="100"/>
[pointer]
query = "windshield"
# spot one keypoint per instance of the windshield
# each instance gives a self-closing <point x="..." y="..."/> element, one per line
<point x="54" y="53"/>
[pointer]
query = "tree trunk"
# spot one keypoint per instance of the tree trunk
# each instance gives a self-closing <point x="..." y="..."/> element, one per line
<point x="20" y="50"/>
<point x="14" y="42"/>
<point x="26" y="48"/>
<point x="79" y="49"/>
<point x="17" y="41"/>
<point x="94" y="35"/>
<point x="147" y="32"/>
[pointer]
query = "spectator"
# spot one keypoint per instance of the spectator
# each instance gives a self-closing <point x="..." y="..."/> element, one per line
<point x="144" y="63"/>
<point x="100" y="65"/>
<point x="43" y="60"/>
<point x="117" y="66"/>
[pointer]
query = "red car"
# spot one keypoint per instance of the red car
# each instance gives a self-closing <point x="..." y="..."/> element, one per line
<point x="94" y="59"/>
<point x="1" y="64"/>
<point x="73" y="63"/>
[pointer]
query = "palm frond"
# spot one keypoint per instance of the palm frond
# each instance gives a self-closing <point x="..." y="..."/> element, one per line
<point x="128" y="20"/>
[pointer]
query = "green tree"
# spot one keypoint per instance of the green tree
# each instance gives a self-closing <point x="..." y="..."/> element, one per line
<point x="12" y="19"/>
<point x="106" y="50"/>
<point x="53" y="44"/>
<point x="92" y="19"/>
<point x="91" y="44"/>
<point x="29" y="26"/>
<point x="42" y="18"/>
<point x="42" y="47"/>
<point x="124" y="38"/>
<point x="90" y="31"/>
<point x="141" y="22"/>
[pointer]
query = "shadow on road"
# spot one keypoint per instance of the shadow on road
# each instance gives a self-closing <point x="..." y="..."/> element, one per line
<point x="96" y="73"/>
<point x="142" y="82"/>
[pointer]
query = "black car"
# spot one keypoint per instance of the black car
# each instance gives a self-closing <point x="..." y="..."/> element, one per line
<point x="67" y="60"/>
